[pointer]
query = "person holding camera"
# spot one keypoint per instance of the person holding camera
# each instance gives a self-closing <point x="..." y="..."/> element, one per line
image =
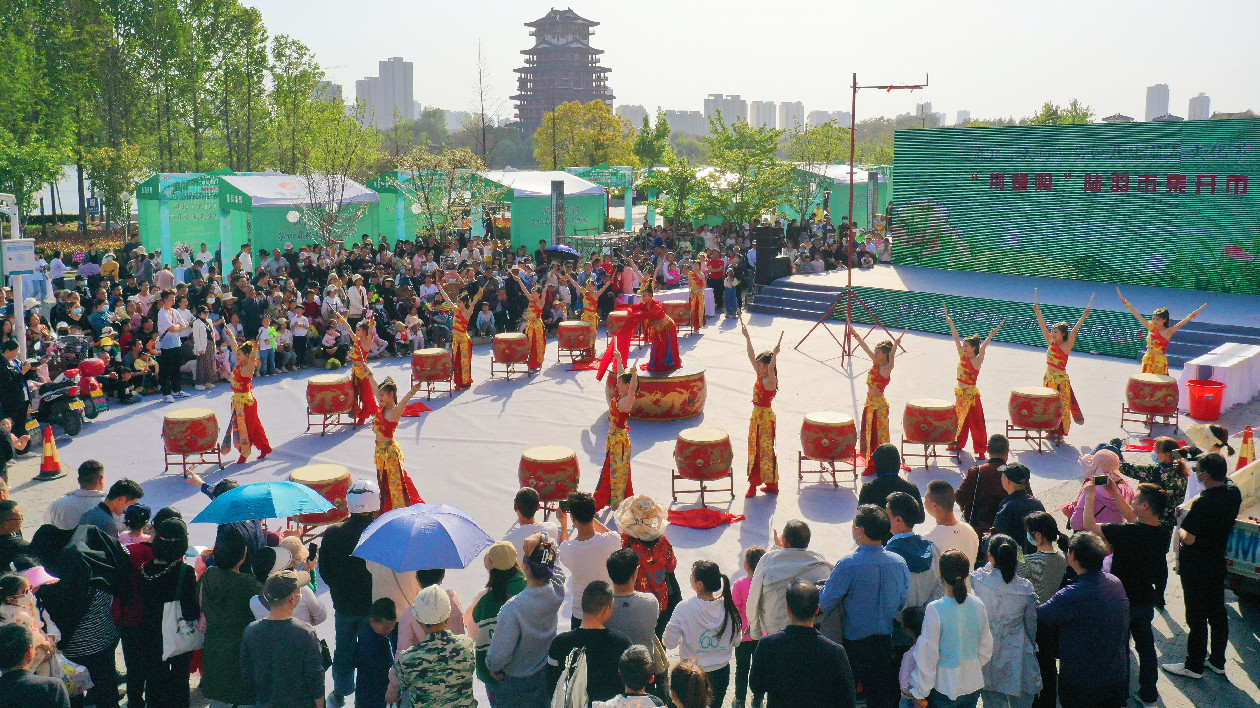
<point x="1169" y="471"/>
<point x="517" y="657"/>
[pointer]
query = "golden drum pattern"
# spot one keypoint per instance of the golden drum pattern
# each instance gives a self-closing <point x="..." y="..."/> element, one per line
<point x="828" y="436"/>
<point x="929" y="421"/>
<point x="511" y="348"/>
<point x="1035" y="407"/>
<point x="703" y="453"/>
<point x="333" y="483"/>
<point x="190" y="431"/>
<point x="329" y="394"/>
<point x="679" y="311"/>
<point x="1154" y="394"/>
<point x="552" y="470"/>
<point x="431" y="364"/>
<point x="576" y="335"/>
<point x="666" y="395"/>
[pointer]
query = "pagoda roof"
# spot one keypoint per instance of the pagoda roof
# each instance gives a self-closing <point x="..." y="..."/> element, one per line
<point x="556" y="16"/>
<point x="571" y="44"/>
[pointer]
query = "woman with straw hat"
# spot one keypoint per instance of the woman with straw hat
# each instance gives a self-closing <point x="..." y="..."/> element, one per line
<point x="642" y="522"/>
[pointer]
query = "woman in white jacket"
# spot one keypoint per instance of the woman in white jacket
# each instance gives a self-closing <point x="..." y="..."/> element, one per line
<point x="205" y="346"/>
<point x="955" y="643"/>
<point x="1012" y="678"/>
<point x="706" y="628"/>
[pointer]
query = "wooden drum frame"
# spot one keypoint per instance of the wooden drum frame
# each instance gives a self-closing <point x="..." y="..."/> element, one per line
<point x="179" y="424"/>
<point x="707" y="448"/>
<point x="836" y="433"/>
<point x="426" y="378"/>
<point x="1018" y="429"/>
<point x="504" y="368"/>
<point x="1149" y="415"/>
<point x="931" y="431"/>
<point x="326" y="419"/>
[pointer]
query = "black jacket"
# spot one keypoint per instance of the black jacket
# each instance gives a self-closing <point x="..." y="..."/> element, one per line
<point x="801" y="668"/>
<point x="1011" y="513"/>
<point x="23" y="689"/>
<point x="349" y="581"/>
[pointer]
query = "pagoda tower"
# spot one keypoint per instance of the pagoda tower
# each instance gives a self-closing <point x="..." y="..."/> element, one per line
<point x="562" y="66"/>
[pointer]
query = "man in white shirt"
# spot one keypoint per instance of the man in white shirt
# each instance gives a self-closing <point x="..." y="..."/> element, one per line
<point x="949" y="532"/>
<point x="246" y="260"/>
<point x="526" y="506"/>
<point x="356" y="300"/>
<point x="204" y="256"/>
<point x="584" y="552"/>
<point x="65" y="512"/>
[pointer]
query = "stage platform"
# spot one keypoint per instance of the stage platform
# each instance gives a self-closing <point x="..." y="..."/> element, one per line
<point x="1228" y="317"/>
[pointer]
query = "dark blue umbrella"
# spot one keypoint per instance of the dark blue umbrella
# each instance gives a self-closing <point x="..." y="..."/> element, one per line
<point x="423" y="536"/>
<point x="263" y="500"/>
<point x="564" y="253"/>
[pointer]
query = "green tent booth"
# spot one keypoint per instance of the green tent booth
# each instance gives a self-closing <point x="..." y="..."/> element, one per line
<point x="529" y="194"/>
<point x="395" y="214"/>
<point x="179" y="207"/>
<point x="836" y="178"/>
<point x="265" y="211"/>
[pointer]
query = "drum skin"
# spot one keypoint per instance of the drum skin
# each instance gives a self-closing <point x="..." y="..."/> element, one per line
<point x="703" y="453"/>
<point x="576" y="335"/>
<point x="616" y="319"/>
<point x="1035" y="408"/>
<point x="665" y="395"/>
<point x="1153" y="394"/>
<point x="511" y="348"/>
<point x="828" y="436"/>
<point x="190" y="431"/>
<point x="552" y="470"/>
<point x="333" y="483"/>
<point x="930" y="421"/>
<point x="431" y="365"/>
<point x="329" y="394"/>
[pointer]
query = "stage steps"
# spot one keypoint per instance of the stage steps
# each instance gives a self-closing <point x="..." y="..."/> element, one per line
<point x="808" y="301"/>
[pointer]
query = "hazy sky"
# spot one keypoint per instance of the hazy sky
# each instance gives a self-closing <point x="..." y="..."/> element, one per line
<point x="993" y="58"/>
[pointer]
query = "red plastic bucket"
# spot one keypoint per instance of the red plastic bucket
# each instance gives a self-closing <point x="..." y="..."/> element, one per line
<point x="1205" y="398"/>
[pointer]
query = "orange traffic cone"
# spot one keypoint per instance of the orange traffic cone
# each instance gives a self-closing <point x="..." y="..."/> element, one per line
<point x="1246" y="449"/>
<point x="50" y="465"/>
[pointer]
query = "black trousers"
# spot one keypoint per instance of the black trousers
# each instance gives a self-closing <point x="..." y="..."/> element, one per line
<point x="1203" y="586"/>
<point x="168" y="370"/>
<point x="103" y="669"/>
<point x="137" y="668"/>
<point x="1047" y="659"/>
<point x="1114" y="696"/>
<point x="872" y="661"/>
<point x="743" y="662"/>
<point x="719" y="680"/>
<point x="299" y="348"/>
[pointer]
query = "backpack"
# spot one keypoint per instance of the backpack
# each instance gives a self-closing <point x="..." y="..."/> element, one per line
<point x="571" y="688"/>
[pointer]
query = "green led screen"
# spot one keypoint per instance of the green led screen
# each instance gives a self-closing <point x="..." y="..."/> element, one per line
<point x="1161" y="204"/>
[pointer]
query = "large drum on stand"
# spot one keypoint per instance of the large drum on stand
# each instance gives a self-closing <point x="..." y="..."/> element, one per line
<point x="680" y="313"/>
<point x="704" y="456"/>
<point x="190" y="437"/>
<point x="928" y="422"/>
<point x="552" y="470"/>
<point x="510" y="354"/>
<point x="432" y="370"/>
<point x="1150" y="399"/>
<point x="328" y="397"/>
<point x="576" y="339"/>
<point x="616" y="319"/>
<point x="828" y="439"/>
<point x="333" y="483"/>
<point x="1036" y="412"/>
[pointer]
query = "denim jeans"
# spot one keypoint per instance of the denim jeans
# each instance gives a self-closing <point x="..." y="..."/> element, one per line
<point x="732" y="302"/>
<point x="347" y="629"/>
<point x="266" y="362"/>
<point x="520" y="692"/>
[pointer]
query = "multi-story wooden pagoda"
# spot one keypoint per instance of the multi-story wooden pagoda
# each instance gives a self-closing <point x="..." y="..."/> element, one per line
<point x="561" y="66"/>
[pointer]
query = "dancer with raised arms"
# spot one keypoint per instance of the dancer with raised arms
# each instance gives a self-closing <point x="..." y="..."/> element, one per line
<point x="874" y="430"/>
<point x="966" y="396"/>
<point x="590" y="307"/>
<point x="534" y="328"/>
<point x="397" y="488"/>
<point x="615" y="483"/>
<point x="364" y="403"/>
<point x="763" y="464"/>
<point x="1059" y="342"/>
<point x="461" y="343"/>
<point x="247" y="429"/>
<point x="1155" y="360"/>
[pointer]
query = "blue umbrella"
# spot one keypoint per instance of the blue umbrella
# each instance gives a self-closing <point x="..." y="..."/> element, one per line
<point x="421" y="537"/>
<point x="263" y="500"/>
<point x="564" y="252"/>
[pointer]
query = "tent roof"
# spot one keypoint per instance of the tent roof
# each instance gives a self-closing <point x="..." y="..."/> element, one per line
<point x="288" y="190"/>
<point x="839" y="172"/>
<point x="537" y="183"/>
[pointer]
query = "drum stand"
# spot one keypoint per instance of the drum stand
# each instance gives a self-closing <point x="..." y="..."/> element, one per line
<point x="324" y="421"/>
<point x="504" y="370"/>
<point x="187" y="461"/>
<point x="1035" y="435"/>
<point x="675" y="491"/>
<point x="431" y="386"/>
<point x="574" y="355"/>
<point x="826" y="467"/>
<point x="929" y="450"/>
<point x="1128" y="415"/>
<point x="304" y="532"/>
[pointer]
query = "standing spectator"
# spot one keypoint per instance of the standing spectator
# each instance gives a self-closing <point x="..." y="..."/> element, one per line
<point x="12" y="544"/>
<point x="15" y="398"/>
<point x="356" y="301"/>
<point x="789" y="560"/>
<point x="586" y="553"/>
<point x="65" y="512"/>
<point x="374" y="652"/>
<point x="1106" y="503"/>
<point x="634" y="668"/>
<point x="439" y="670"/>
<point x="165" y="579"/>
<point x="169" y="328"/>
<point x="798" y="666"/>
<point x="1012" y="677"/>
<point x="873" y="585"/>
<point x="955" y="643"/>
<point x="526" y="506"/>
<point x="19" y="688"/>
<point x="949" y="531"/>
<point x="482" y="616"/>
<point x="1092" y="615"/>
<point x="602" y="646"/>
<point x="981" y="491"/>
<point x="634" y="613"/>
<point x="107" y="515"/>
<point x="225" y="595"/>
<point x="411" y="629"/>
<point x="921" y="555"/>
<point x="747" y="645"/>
<point x="1019" y="502"/>
<point x="1045" y="568"/>
<point x="349" y="582"/>
<point x="888" y="479"/>
<point x="518" y="650"/>
<point x="1170" y="472"/>
<point x="1138" y="551"/>
<point x="1201" y="562"/>
<point x="705" y="629"/>
<point x="642" y="522"/>
<point x="280" y="656"/>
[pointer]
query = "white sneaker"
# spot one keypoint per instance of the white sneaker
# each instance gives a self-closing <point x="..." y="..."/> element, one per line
<point x="182" y="394"/>
<point x="1213" y="669"/>
<point x="168" y="399"/>
<point x="199" y="387"/>
<point x="1181" y="670"/>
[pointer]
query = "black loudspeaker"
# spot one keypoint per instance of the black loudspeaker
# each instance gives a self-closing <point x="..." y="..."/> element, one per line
<point x="771" y="269"/>
<point x="768" y="239"/>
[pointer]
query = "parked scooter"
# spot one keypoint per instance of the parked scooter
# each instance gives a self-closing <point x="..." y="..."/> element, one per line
<point x="56" y="402"/>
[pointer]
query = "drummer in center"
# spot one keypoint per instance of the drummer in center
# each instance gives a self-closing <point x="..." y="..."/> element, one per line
<point x="615" y="484"/>
<point x="461" y="343"/>
<point x="966" y="396"/>
<point x="397" y="489"/>
<point x="763" y="464"/>
<point x="246" y="427"/>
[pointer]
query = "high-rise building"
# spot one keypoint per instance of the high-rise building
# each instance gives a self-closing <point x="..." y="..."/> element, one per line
<point x="1200" y="107"/>
<point x="791" y="114"/>
<point x="689" y="122"/>
<point x="842" y="118"/>
<point x="733" y="107"/>
<point x="762" y="113"/>
<point x="817" y="118"/>
<point x="963" y="117"/>
<point x="923" y="109"/>
<point x="1156" y="101"/>
<point x="632" y="113"/>
<point x="562" y="66"/>
<point x="367" y="91"/>
<point x="455" y="120"/>
<point x="328" y="91"/>
<point x="397" y="91"/>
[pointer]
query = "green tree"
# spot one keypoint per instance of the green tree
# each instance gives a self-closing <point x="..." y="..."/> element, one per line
<point x="690" y="147"/>
<point x="651" y="143"/>
<point x="811" y="149"/>
<point x="340" y="149"/>
<point x="752" y="181"/>
<point x="1051" y="114"/>
<point x="581" y="135"/>
<point x="683" y="195"/>
<point x="294" y="76"/>
<point x="445" y="186"/>
<point x="26" y="166"/>
<point x="115" y="174"/>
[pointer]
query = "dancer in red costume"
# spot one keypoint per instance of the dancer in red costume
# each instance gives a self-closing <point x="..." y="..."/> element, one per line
<point x="534" y="328"/>
<point x="1059" y="341"/>
<point x="247" y="429"/>
<point x="874" y="429"/>
<point x="1155" y="361"/>
<point x="360" y="373"/>
<point x="615" y="484"/>
<point x="966" y="396"/>
<point x="659" y="329"/>
<point x="461" y="343"/>
<point x="763" y="464"/>
<point x="397" y="489"/>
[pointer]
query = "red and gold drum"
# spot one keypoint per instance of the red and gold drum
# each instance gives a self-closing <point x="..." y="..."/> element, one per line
<point x="552" y="470"/>
<point x="511" y="348"/>
<point x="1035" y="408"/>
<point x="576" y="335"/>
<point x="703" y="453"/>
<point x="828" y="436"/>
<point x="616" y="319"/>
<point x="189" y="431"/>
<point x="329" y="394"/>
<point x="665" y="395"/>
<point x="1153" y="394"/>
<point x="333" y="483"/>
<point x="431" y="365"/>
<point x="929" y="421"/>
<point x="679" y="311"/>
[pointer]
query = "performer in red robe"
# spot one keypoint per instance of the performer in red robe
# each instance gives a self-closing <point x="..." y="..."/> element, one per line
<point x="659" y="329"/>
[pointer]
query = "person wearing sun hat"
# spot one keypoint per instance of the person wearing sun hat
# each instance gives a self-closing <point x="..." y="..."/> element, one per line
<point x="505" y="581"/>
<point x="439" y="670"/>
<point x="642" y="522"/>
